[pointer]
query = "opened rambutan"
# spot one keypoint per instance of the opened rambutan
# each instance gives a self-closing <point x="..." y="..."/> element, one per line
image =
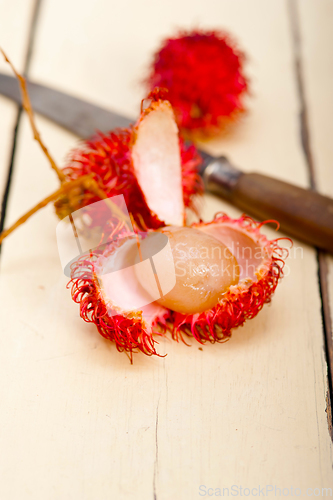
<point x="137" y="162"/>
<point x="201" y="280"/>
<point x="225" y="271"/>
<point x="203" y="72"/>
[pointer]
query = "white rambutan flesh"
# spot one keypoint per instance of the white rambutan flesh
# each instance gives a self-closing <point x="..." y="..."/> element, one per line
<point x="247" y="251"/>
<point x="157" y="163"/>
<point x="204" y="268"/>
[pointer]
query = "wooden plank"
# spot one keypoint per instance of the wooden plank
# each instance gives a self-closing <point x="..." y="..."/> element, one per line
<point x="80" y="421"/>
<point x="15" y="20"/>
<point x="316" y="20"/>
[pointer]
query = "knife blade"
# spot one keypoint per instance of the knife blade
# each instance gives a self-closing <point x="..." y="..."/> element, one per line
<point x="301" y="212"/>
<point x="76" y="115"/>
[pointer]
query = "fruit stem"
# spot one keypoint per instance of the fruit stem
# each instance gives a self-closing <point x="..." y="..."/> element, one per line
<point x="28" y="108"/>
<point x="86" y="182"/>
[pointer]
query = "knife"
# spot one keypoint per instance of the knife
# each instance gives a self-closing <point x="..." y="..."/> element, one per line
<point x="302" y="213"/>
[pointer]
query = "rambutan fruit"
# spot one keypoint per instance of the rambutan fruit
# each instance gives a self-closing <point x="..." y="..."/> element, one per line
<point x="202" y="280"/>
<point x="203" y="72"/>
<point x="126" y="161"/>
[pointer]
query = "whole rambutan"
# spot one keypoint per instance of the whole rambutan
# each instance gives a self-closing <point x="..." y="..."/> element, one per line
<point x="203" y="72"/>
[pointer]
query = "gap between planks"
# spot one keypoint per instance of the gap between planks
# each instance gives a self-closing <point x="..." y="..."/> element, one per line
<point x="26" y="65"/>
<point x="311" y="167"/>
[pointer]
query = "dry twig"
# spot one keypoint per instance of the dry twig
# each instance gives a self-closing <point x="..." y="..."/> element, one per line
<point x="85" y="182"/>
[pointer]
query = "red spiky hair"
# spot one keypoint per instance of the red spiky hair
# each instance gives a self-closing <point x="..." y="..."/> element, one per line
<point x="203" y="71"/>
<point x="134" y="332"/>
<point x="129" y="333"/>
<point x="108" y="157"/>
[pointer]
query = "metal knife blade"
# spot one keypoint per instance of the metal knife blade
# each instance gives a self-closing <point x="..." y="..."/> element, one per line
<point x="84" y="118"/>
<point x="78" y="116"/>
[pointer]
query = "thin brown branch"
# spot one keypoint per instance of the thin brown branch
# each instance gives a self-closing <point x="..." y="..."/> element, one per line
<point x="86" y="182"/>
<point x="137" y="237"/>
<point x="65" y="188"/>
<point x="91" y="185"/>
<point x="28" y="108"/>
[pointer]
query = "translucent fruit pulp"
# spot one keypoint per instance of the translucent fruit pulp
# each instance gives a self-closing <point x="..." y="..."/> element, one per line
<point x="204" y="268"/>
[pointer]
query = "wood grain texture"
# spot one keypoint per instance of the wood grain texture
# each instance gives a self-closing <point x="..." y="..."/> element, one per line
<point x="15" y="20"/>
<point x="316" y="20"/>
<point x="79" y="421"/>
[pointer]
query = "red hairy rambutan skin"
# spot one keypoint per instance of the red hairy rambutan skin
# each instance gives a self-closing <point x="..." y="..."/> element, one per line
<point x="203" y="72"/>
<point x="108" y="158"/>
<point x="128" y="333"/>
<point x="191" y="180"/>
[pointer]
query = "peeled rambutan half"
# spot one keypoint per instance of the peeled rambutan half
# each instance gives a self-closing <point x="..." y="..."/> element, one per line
<point x="126" y="161"/>
<point x="203" y="72"/>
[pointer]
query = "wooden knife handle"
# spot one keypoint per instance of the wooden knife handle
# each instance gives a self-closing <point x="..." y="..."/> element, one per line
<point x="302" y="213"/>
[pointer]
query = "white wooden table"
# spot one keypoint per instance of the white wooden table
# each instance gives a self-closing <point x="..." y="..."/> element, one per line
<point x="78" y="421"/>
